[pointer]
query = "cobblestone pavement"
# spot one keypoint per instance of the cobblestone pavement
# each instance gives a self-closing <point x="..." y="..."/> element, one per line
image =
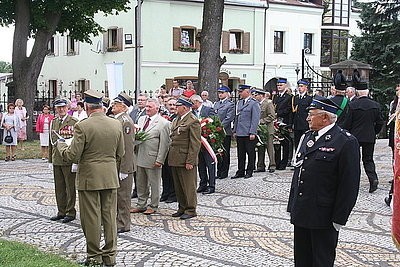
<point x="244" y="223"/>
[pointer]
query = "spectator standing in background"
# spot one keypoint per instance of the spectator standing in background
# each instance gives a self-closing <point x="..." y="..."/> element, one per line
<point x="42" y="127"/>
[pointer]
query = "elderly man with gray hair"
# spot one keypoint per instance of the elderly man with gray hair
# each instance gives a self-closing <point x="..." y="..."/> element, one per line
<point x="206" y="102"/>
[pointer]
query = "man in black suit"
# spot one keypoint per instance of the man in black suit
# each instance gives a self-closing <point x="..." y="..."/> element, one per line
<point x="225" y="110"/>
<point x="365" y="121"/>
<point x="283" y="107"/>
<point x="300" y="104"/>
<point x="324" y="187"/>
<point x="207" y="164"/>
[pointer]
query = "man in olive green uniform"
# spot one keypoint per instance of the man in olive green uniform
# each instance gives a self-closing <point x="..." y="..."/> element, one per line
<point x="183" y="158"/>
<point x="64" y="179"/>
<point x="97" y="146"/>
<point x="119" y="109"/>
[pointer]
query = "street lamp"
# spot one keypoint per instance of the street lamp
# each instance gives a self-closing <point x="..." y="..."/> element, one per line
<point x="297" y="70"/>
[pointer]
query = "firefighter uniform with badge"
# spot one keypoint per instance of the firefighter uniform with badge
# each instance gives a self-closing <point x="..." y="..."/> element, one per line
<point x="324" y="187"/>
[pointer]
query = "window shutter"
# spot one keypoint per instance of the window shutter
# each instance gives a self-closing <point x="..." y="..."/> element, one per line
<point x="246" y="43"/>
<point x="176" y="38"/>
<point x="87" y="85"/>
<point x="120" y="39"/>
<point x="225" y="42"/>
<point x="197" y="40"/>
<point x="105" y="41"/>
<point x="168" y="84"/>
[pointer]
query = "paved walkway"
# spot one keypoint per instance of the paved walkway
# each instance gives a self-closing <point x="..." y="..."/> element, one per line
<point x="244" y="224"/>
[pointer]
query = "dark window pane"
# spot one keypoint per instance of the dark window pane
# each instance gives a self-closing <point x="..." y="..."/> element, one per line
<point x="278" y="41"/>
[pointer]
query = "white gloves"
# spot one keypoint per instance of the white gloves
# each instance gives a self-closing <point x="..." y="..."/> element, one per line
<point x="123" y="176"/>
<point x="74" y="167"/>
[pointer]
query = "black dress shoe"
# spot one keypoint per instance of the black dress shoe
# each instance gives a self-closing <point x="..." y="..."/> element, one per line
<point x="121" y="230"/>
<point x="209" y="191"/>
<point x="177" y="214"/>
<point x="271" y="170"/>
<point x="237" y="176"/>
<point x="91" y="262"/>
<point x="388" y="200"/>
<point x="373" y="186"/>
<point x="163" y="198"/>
<point x="281" y="168"/>
<point x="134" y="194"/>
<point x="187" y="216"/>
<point x="248" y="175"/>
<point x="170" y="200"/>
<point x="56" y="218"/>
<point x="201" y="189"/>
<point x="260" y="170"/>
<point x="68" y="219"/>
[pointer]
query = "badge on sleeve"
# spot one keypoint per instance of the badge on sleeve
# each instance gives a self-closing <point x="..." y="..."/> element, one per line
<point x="127" y="130"/>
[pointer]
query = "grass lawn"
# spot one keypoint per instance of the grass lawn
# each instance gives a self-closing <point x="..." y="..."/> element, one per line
<point x="14" y="254"/>
<point x="31" y="150"/>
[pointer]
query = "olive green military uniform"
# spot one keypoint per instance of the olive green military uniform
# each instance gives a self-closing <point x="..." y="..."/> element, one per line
<point x="126" y="167"/>
<point x="184" y="149"/>
<point x="97" y="146"/>
<point x="64" y="179"/>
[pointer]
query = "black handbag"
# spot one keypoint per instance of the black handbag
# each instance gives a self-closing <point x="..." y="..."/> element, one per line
<point x="8" y="138"/>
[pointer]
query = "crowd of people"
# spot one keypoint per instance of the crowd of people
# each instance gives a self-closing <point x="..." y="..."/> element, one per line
<point x="110" y="151"/>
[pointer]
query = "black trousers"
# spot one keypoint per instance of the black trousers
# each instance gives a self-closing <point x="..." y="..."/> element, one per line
<point x="224" y="160"/>
<point x="282" y="154"/>
<point x="245" y="146"/>
<point x="206" y="169"/>
<point x="167" y="181"/>
<point x="367" y="156"/>
<point x="314" y="247"/>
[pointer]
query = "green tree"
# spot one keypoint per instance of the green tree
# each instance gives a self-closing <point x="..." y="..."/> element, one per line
<point x="379" y="46"/>
<point x="41" y="20"/>
<point x="5" y="67"/>
<point x="210" y="60"/>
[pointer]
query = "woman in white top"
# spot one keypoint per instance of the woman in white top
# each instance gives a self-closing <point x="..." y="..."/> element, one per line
<point x="20" y="111"/>
<point x="80" y="113"/>
<point x="10" y="124"/>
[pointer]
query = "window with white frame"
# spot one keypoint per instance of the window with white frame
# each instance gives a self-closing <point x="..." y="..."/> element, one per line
<point x="72" y="46"/>
<point x="113" y="39"/>
<point x="278" y="41"/>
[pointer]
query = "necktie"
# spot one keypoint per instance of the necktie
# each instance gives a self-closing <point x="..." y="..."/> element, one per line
<point x="146" y="124"/>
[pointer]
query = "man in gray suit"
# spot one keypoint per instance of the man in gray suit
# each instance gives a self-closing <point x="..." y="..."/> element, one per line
<point x="225" y="110"/>
<point x="150" y="157"/>
<point x="245" y="130"/>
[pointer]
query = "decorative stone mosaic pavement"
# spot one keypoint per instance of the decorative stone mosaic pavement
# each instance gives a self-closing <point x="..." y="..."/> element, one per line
<point x="244" y="224"/>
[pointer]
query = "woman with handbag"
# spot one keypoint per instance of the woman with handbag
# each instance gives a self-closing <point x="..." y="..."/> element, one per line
<point x="10" y="123"/>
<point x="42" y="127"/>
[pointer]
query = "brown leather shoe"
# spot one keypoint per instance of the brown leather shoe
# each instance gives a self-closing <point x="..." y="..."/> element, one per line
<point x="136" y="210"/>
<point x="149" y="211"/>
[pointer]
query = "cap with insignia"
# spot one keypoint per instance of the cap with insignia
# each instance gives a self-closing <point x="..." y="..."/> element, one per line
<point x="93" y="97"/>
<point x="124" y="98"/>
<point x="303" y="82"/>
<point x="281" y="80"/>
<point x="243" y="87"/>
<point x="224" y="89"/>
<point x="183" y="101"/>
<point x="257" y="91"/>
<point x="361" y="86"/>
<point x="323" y="103"/>
<point x="61" y="102"/>
<point x="106" y="102"/>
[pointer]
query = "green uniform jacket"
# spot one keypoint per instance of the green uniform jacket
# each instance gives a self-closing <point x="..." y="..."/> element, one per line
<point x="128" y="129"/>
<point x="66" y="130"/>
<point x="186" y="141"/>
<point x="97" y="146"/>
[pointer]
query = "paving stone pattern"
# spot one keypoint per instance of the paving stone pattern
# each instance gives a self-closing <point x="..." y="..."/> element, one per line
<point x="244" y="223"/>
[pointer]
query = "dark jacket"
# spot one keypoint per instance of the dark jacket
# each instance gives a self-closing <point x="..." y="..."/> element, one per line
<point x="325" y="186"/>
<point x="300" y="112"/>
<point x="283" y="108"/>
<point x="364" y="120"/>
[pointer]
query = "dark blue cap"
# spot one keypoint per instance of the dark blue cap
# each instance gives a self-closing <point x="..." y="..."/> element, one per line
<point x="183" y="101"/>
<point x="60" y="102"/>
<point x="93" y="97"/>
<point x="224" y="89"/>
<point x="303" y="82"/>
<point x="323" y="103"/>
<point x="243" y="87"/>
<point x="282" y="80"/>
